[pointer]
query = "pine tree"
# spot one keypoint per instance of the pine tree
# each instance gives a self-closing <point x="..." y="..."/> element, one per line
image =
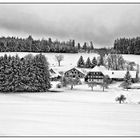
<point x="78" y="46"/>
<point x="29" y="74"/>
<point x="81" y="62"/>
<point x="5" y="72"/>
<point x="101" y="60"/>
<point x="94" y="62"/>
<point x="127" y="80"/>
<point x="88" y="63"/>
<point x="91" y="45"/>
<point x="16" y="75"/>
<point x="43" y="74"/>
<point x="85" y="46"/>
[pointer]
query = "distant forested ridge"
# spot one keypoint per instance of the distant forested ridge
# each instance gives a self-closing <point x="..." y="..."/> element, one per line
<point x="13" y="44"/>
<point x="127" y="45"/>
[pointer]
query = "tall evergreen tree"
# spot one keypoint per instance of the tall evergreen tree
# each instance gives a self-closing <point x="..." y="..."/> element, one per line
<point x="73" y="43"/>
<point x="43" y="72"/>
<point x="91" y="45"/>
<point x="127" y="81"/>
<point x="85" y="46"/>
<point x="79" y="46"/>
<point x="81" y="62"/>
<point x="94" y="62"/>
<point x="101" y="60"/>
<point x="88" y="63"/>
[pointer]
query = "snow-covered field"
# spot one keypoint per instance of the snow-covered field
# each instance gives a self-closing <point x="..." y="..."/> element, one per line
<point x="77" y="112"/>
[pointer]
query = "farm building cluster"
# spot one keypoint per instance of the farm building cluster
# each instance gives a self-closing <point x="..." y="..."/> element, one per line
<point x="95" y="74"/>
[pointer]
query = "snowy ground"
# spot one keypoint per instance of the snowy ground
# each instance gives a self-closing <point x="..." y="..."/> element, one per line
<point x="78" y="112"/>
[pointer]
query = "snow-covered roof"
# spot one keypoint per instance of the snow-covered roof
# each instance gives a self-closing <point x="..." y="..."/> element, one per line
<point x="98" y="68"/>
<point x="119" y="73"/>
<point x="78" y="69"/>
<point x="54" y="73"/>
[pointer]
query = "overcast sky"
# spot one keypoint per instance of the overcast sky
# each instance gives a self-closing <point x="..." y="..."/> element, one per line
<point x="100" y="23"/>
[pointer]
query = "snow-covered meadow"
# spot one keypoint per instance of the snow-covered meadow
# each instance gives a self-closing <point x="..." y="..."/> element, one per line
<point x="77" y="112"/>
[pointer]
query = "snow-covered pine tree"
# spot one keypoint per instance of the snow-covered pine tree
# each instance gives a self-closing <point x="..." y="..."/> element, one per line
<point x="94" y="62"/>
<point x="81" y="62"/>
<point x="8" y="74"/>
<point x="88" y="63"/>
<point x="127" y="81"/>
<point x="16" y="75"/>
<point x="1" y="73"/>
<point x="29" y="74"/>
<point x="43" y="74"/>
<point x="101" y="60"/>
<point x="4" y="73"/>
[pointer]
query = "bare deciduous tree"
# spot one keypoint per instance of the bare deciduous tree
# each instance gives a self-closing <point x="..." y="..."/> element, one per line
<point x="59" y="58"/>
<point x="114" y="62"/>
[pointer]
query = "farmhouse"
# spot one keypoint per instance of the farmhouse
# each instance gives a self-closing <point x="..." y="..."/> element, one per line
<point x="97" y="74"/>
<point x="74" y="72"/>
<point x="54" y="75"/>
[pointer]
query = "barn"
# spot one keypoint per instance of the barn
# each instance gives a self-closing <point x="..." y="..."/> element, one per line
<point x="74" y="72"/>
<point x="118" y="75"/>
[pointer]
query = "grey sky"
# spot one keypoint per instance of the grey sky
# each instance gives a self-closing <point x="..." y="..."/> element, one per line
<point x="100" y="23"/>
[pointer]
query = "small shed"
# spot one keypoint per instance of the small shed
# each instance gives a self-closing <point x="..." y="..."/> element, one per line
<point x="54" y="75"/>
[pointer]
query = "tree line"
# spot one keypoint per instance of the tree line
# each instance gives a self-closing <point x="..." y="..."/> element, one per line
<point x="127" y="45"/>
<point x="120" y="46"/>
<point x="27" y="74"/>
<point x="90" y="63"/>
<point x="13" y="44"/>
